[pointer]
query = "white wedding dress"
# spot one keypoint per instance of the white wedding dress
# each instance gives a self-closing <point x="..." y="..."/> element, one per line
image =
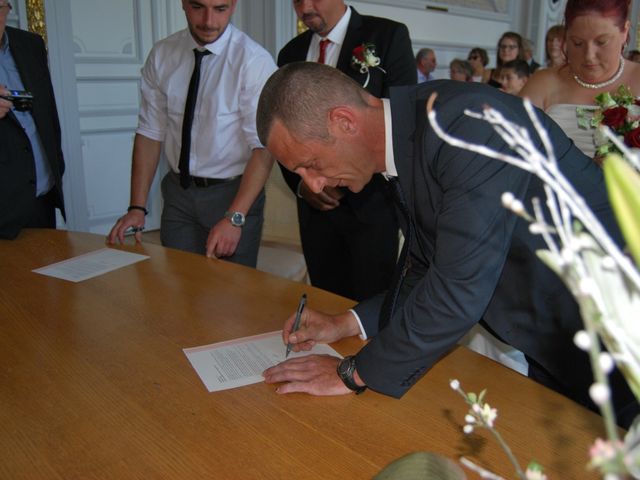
<point x="565" y="116"/>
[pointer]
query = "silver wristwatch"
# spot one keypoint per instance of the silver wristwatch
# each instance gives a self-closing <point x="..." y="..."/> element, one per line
<point x="237" y="219"/>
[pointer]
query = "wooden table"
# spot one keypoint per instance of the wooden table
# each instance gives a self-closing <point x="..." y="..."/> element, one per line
<point x="94" y="382"/>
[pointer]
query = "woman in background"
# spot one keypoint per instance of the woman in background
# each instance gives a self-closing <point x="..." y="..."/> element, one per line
<point x="460" y="70"/>
<point x="596" y="32"/>
<point x="554" y="47"/>
<point x="478" y="59"/>
<point x="509" y="48"/>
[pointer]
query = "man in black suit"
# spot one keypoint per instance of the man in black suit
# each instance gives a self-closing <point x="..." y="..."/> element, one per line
<point x="31" y="161"/>
<point x="350" y="241"/>
<point x="470" y="260"/>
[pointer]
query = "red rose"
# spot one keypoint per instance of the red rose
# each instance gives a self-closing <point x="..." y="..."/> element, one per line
<point x="632" y="138"/>
<point x="614" y="117"/>
<point x="358" y="53"/>
<point x="637" y="101"/>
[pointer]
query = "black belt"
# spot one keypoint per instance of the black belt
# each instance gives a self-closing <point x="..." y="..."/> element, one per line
<point x="203" y="182"/>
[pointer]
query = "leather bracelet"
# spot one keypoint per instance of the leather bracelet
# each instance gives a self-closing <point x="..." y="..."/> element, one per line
<point x="138" y="207"/>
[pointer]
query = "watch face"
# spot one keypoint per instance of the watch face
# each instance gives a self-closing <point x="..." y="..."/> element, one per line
<point x="237" y="219"/>
<point x="345" y="366"/>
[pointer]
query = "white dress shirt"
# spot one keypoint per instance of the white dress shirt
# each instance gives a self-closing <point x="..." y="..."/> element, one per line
<point x="336" y="35"/>
<point x="224" y="122"/>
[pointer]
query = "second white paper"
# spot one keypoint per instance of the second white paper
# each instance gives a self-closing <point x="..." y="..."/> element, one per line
<point x="240" y="362"/>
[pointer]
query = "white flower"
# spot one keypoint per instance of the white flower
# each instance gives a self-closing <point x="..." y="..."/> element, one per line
<point x="454" y="384"/>
<point x="507" y="199"/>
<point x="606" y="362"/>
<point x="489" y="414"/>
<point x="469" y="418"/>
<point x="599" y="393"/>
<point x="467" y="429"/>
<point x="582" y="340"/>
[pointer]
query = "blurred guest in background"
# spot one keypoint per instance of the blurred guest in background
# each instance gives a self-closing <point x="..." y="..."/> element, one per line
<point x="478" y="59"/>
<point x="554" y="47"/>
<point x="460" y="70"/>
<point x="425" y="64"/>
<point x="527" y="48"/>
<point x="509" y="48"/>
<point x="31" y="161"/>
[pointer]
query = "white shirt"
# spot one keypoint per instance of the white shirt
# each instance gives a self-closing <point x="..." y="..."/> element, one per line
<point x="224" y="122"/>
<point x="336" y="35"/>
<point x="391" y="171"/>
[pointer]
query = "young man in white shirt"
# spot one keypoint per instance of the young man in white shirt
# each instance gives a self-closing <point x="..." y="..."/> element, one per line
<point x="216" y="208"/>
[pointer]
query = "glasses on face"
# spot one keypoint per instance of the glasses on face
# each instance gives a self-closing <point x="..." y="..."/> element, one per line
<point x="508" y="47"/>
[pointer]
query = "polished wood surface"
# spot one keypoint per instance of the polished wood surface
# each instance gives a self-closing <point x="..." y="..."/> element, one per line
<point x="94" y="382"/>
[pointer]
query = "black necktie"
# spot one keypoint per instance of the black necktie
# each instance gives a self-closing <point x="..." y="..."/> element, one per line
<point x="187" y="120"/>
<point x="404" y="262"/>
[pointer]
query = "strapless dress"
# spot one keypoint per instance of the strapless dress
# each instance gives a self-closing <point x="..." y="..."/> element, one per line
<point x="565" y="116"/>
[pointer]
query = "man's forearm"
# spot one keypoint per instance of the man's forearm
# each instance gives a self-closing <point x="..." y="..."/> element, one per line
<point x="146" y="155"/>
<point x="254" y="178"/>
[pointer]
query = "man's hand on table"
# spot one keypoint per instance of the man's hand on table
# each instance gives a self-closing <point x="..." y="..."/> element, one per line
<point x="313" y="374"/>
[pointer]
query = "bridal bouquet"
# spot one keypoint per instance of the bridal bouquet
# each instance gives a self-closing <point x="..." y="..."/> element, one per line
<point x="619" y="111"/>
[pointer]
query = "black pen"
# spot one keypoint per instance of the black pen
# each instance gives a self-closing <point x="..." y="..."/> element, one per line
<point x="296" y="323"/>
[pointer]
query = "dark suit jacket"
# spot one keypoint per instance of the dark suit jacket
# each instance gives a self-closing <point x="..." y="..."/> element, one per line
<point x="17" y="166"/>
<point x="473" y="259"/>
<point x="393" y="46"/>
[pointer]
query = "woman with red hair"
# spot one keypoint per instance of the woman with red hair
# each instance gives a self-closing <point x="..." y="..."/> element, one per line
<point x="596" y="32"/>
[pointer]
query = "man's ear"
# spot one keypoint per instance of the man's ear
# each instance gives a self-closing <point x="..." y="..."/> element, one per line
<point x="343" y="120"/>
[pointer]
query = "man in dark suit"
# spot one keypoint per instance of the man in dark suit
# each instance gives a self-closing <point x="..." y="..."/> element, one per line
<point x="469" y="259"/>
<point x="31" y="161"/>
<point x="350" y="241"/>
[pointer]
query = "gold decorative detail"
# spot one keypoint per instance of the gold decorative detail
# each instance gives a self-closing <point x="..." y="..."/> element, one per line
<point x="301" y="26"/>
<point x="36" y="18"/>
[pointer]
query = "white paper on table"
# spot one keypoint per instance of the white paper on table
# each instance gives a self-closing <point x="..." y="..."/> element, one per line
<point x="90" y="264"/>
<point x="240" y="362"/>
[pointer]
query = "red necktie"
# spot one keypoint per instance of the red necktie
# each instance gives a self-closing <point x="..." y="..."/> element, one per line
<point x="323" y="49"/>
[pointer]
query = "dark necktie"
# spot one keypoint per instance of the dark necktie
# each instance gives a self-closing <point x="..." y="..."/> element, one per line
<point x="404" y="262"/>
<point x="187" y="120"/>
<point x="323" y="50"/>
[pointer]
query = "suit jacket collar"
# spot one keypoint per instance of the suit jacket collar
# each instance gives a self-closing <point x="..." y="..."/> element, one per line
<point x="352" y="39"/>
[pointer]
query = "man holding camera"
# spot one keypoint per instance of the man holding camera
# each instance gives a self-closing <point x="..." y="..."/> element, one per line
<point x="31" y="161"/>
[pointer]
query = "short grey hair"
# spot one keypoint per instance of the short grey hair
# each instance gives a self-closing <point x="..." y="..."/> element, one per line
<point x="422" y="53"/>
<point x="301" y="95"/>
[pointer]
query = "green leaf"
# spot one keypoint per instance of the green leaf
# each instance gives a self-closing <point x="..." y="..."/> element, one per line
<point x="623" y="186"/>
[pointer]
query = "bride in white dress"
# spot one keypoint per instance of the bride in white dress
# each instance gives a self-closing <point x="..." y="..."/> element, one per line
<point x="596" y="33"/>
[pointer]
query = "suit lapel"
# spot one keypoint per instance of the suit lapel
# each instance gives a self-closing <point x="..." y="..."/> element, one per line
<point x="352" y="39"/>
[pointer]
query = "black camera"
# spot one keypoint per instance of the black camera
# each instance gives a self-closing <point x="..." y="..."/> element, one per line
<point x="22" y="100"/>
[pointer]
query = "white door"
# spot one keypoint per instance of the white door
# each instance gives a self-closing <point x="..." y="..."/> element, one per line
<point x="97" y="49"/>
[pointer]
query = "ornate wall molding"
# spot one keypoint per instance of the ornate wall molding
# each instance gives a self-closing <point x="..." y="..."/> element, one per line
<point x="36" y="18"/>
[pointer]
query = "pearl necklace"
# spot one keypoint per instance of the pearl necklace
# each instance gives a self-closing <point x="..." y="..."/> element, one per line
<point x="595" y="86"/>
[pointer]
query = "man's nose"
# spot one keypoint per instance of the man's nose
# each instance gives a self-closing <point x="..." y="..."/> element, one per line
<point x="314" y="182"/>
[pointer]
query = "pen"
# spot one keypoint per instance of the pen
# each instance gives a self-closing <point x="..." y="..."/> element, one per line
<point x="296" y="323"/>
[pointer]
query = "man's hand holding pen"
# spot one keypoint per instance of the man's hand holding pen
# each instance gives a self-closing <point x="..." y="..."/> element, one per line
<point x="313" y="374"/>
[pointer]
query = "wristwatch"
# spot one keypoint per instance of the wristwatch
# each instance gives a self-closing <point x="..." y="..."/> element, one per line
<point x="236" y="218"/>
<point x="345" y="370"/>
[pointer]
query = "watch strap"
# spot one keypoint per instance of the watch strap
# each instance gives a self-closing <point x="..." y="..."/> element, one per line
<point x="346" y="369"/>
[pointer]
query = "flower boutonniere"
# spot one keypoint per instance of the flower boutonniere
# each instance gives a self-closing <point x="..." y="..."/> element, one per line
<point x="363" y="58"/>
<point x="620" y="111"/>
